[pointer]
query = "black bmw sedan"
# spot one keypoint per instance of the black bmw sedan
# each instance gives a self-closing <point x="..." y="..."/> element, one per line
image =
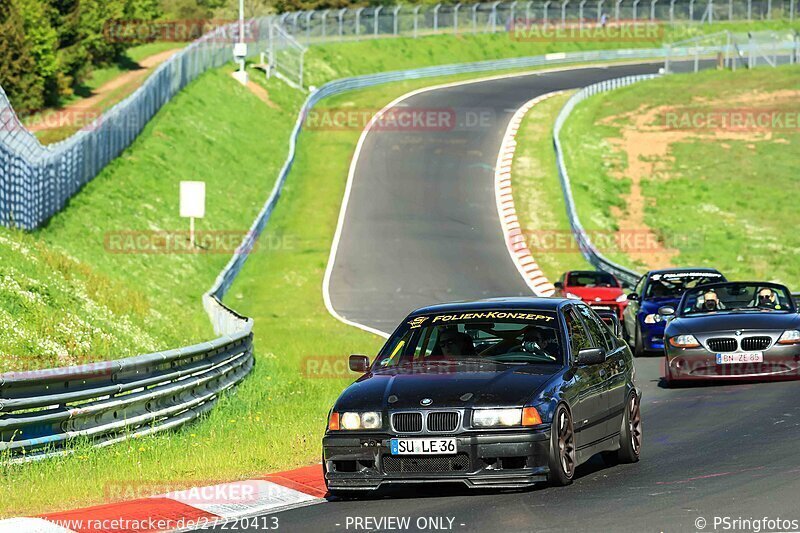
<point x="734" y="330"/>
<point x="492" y="393"/>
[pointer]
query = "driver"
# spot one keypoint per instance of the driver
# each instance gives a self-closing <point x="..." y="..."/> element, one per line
<point x="767" y="299"/>
<point x="454" y="343"/>
<point x="541" y="340"/>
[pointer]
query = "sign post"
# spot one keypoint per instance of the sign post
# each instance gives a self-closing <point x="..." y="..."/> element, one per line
<point x="193" y="204"/>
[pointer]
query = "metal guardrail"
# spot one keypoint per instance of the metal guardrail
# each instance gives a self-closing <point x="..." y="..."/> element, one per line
<point x="107" y="402"/>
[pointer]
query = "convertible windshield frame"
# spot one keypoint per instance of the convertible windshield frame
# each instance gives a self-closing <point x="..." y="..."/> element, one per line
<point x="688" y="306"/>
<point x="684" y="278"/>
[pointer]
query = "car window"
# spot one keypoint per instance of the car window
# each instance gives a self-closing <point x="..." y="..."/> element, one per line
<point x="502" y="336"/>
<point x="597" y="330"/>
<point x="579" y="338"/>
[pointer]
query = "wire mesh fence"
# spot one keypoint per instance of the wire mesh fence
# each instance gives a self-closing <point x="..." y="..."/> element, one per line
<point x="310" y="27"/>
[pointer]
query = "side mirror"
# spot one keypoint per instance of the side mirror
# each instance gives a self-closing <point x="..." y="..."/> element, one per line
<point x="633" y="297"/>
<point x="666" y="310"/>
<point x="558" y="285"/>
<point x="591" y="356"/>
<point x="359" y="363"/>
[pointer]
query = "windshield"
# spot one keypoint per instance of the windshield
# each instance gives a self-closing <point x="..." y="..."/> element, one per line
<point x="737" y="297"/>
<point x="674" y="284"/>
<point x="507" y="337"/>
<point x="591" y="279"/>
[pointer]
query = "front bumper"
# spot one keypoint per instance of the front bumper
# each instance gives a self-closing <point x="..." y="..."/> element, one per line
<point x="652" y="336"/>
<point x="500" y="460"/>
<point x="780" y="362"/>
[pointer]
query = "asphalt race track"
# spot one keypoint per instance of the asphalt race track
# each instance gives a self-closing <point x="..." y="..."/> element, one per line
<point x="422" y="227"/>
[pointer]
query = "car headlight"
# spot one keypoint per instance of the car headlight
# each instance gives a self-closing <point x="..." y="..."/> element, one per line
<point x="351" y="420"/>
<point x="684" y="341"/>
<point x="486" y="418"/>
<point x="653" y="318"/>
<point x="572" y="296"/>
<point x="790" y="336"/>
<point x="622" y="298"/>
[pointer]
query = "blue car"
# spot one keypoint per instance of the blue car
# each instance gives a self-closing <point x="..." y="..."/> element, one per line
<point x="642" y="326"/>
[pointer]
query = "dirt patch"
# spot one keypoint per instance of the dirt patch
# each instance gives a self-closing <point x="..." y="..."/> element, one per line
<point x="646" y="142"/>
<point x="84" y="111"/>
<point x="261" y="93"/>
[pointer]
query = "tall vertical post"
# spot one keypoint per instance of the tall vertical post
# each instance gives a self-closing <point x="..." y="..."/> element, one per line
<point x="600" y="9"/>
<point x="564" y="12"/>
<point x="455" y="18"/>
<point x="653" y="10"/>
<point x="546" y="9"/>
<point x="340" y="16"/>
<point x="749" y="9"/>
<point x="580" y="12"/>
<point x="416" y="21"/>
<point x="475" y="17"/>
<point x="635" y="9"/>
<point x="436" y="17"/>
<point x="671" y="11"/>
<point x="358" y="21"/>
<point x="691" y="10"/>
<point x="730" y="9"/>
<point x="395" y="13"/>
<point x="376" y="16"/>
<point x="616" y="10"/>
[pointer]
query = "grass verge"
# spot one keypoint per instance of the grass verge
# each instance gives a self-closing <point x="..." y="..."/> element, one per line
<point x="715" y="195"/>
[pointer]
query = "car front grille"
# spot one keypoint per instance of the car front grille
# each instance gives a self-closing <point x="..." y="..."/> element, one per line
<point x="756" y="343"/>
<point x="442" y="421"/>
<point x="441" y="463"/>
<point x="407" y="422"/>
<point x="723" y="344"/>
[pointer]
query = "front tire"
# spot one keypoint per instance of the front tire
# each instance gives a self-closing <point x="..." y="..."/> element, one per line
<point x="630" y="437"/>
<point x="562" y="460"/>
<point x="638" y="346"/>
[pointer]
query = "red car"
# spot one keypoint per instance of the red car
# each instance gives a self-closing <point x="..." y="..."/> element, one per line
<point x="600" y="290"/>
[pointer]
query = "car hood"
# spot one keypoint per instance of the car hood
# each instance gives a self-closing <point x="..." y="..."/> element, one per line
<point x="732" y="321"/>
<point x="590" y="293"/>
<point x="460" y="385"/>
<point x="652" y="305"/>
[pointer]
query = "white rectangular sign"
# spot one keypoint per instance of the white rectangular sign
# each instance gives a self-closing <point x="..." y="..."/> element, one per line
<point x="193" y="199"/>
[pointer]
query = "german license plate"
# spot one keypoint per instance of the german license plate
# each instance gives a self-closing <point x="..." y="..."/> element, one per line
<point x="740" y="358"/>
<point x="423" y="446"/>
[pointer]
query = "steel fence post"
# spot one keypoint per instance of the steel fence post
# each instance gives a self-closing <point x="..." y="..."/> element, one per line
<point x="416" y="21"/>
<point x="475" y="18"/>
<point x="691" y="10"/>
<point x="546" y="9"/>
<point x="395" y="12"/>
<point x="653" y="10"/>
<point x="340" y="16"/>
<point x="616" y="10"/>
<point x="671" y="11"/>
<point x="769" y="9"/>
<point x="436" y="17"/>
<point x="635" y="9"/>
<point x="580" y="13"/>
<point x="564" y="11"/>
<point x="494" y="17"/>
<point x="528" y="12"/>
<point x="376" y="15"/>
<point x="358" y="22"/>
<point x="308" y="26"/>
<point x="600" y="9"/>
<point x="710" y="11"/>
<point x="455" y="18"/>
<point x="749" y="9"/>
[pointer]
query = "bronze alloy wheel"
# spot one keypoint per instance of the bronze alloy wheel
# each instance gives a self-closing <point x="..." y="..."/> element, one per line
<point x="566" y="442"/>
<point x="635" y="423"/>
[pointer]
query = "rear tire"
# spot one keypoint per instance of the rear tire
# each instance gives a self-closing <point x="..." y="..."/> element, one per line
<point x="630" y="437"/>
<point x="562" y="460"/>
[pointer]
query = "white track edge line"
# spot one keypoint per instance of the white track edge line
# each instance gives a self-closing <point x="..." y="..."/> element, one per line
<point x="326" y="280"/>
